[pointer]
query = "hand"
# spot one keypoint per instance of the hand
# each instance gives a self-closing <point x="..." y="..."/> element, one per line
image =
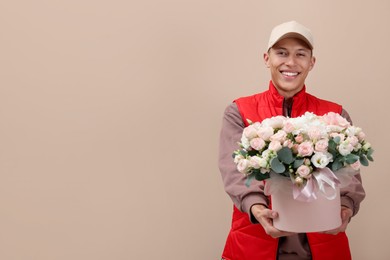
<point x="346" y="214"/>
<point x="265" y="217"/>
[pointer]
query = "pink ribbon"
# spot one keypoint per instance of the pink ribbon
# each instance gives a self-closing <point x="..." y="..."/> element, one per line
<point x="323" y="182"/>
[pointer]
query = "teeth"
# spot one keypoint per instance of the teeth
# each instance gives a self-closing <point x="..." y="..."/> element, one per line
<point x="290" y="73"/>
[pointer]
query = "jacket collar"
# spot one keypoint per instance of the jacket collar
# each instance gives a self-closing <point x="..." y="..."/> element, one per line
<point x="297" y="102"/>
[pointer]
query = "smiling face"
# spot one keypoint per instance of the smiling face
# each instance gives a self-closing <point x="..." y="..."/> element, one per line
<point x="290" y="61"/>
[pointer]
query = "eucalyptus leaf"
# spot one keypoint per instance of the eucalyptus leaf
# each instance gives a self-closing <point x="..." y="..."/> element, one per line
<point x="336" y="165"/>
<point x="298" y="162"/>
<point x="369" y="157"/>
<point x="249" y="179"/>
<point x="351" y="158"/>
<point x="262" y="176"/>
<point x="285" y="155"/>
<point x="243" y="152"/>
<point x="277" y="166"/>
<point x="337" y="139"/>
<point x="363" y="160"/>
<point x="332" y="147"/>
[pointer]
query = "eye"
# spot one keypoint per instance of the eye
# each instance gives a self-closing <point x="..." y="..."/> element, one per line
<point x="301" y="54"/>
<point x="281" y="53"/>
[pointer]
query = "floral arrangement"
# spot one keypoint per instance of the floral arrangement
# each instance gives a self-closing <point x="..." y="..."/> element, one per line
<point x="297" y="147"/>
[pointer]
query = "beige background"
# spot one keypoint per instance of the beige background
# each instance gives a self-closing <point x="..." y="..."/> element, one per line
<point x="110" y="114"/>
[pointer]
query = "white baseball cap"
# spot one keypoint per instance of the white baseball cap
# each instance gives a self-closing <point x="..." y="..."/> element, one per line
<point x="290" y="29"/>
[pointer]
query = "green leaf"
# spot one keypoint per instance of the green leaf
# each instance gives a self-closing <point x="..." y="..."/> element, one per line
<point x="370" y="151"/>
<point x="262" y="176"/>
<point x="363" y="160"/>
<point x="351" y="158"/>
<point x="243" y="152"/>
<point x="332" y="147"/>
<point x="369" y="157"/>
<point x="249" y="179"/>
<point x="337" y="139"/>
<point x="277" y="166"/>
<point x="298" y="162"/>
<point x="285" y="155"/>
<point x="336" y="165"/>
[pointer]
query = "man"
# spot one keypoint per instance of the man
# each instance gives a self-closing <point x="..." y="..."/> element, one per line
<point x="253" y="236"/>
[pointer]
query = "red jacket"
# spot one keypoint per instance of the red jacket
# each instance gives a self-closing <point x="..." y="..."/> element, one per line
<point x="248" y="241"/>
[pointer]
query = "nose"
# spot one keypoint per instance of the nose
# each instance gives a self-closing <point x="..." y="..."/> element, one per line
<point x="290" y="60"/>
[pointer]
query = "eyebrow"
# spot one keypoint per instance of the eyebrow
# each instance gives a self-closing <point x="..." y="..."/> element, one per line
<point x="282" y="48"/>
<point x="285" y="49"/>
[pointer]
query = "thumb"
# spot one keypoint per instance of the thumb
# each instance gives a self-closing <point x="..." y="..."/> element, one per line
<point x="272" y="214"/>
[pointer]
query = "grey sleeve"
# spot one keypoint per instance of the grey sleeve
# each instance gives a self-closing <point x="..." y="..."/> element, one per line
<point x="234" y="182"/>
<point x="352" y="195"/>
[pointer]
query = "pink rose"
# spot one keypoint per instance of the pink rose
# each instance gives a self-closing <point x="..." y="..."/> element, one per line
<point x="299" y="139"/>
<point x="332" y="118"/>
<point x="361" y="136"/>
<point x="280" y="136"/>
<point x="356" y="165"/>
<point x="321" y="145"/>
<point x="305" y="149"/>
<point x="257" y="143"/>
<point x="294" y="148"/>
<point x="304" y="171"/>
<point x="275" y="146"/>
<point x="288" y="127"/>
<point x="353" y="140"/>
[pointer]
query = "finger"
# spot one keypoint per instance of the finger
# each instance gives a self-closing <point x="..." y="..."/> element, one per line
<point x="271" y="214"/>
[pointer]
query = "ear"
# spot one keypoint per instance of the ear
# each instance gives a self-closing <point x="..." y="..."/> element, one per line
<point x="266" y="59"/>
<point x="312" y="62"/>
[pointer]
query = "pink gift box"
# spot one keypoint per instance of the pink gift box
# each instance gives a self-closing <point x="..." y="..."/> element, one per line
<point x="297" y="216"/>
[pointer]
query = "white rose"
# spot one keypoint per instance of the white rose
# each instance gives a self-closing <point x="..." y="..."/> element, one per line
<point x="353" y="130"/>
<point x="274" y="122"/>
<point x="250" y="132"/>
<point x="245" y="142"/>
<point x="243" y="166"/>
<point x="254" y="162"/>
<point x="265" y="132"/>
<point x="345" y="148"/>
<point x="267" y="153"/>
<point x="258" y="162"/>
<point x="237" y="158"/>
